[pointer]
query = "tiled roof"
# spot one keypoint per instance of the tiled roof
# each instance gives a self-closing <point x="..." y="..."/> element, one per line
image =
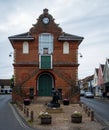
<point x="96" y="69"/>
<point x="102" y="67"/>
<point x="23" y="36"/>
<point x="69" y="37"/>
<point x="88" y="78"/>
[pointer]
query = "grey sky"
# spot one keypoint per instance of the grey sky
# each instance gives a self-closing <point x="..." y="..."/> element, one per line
<point x="87" y="18"/>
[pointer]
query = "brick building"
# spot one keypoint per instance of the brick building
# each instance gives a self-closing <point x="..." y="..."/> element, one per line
<point x="45" y="58"/>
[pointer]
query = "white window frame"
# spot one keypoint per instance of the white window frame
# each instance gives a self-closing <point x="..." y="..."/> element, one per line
<point x="25" y="47"/>
<point x="66" y="48"/>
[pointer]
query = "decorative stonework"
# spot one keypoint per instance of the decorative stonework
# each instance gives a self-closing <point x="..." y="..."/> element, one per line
<point x="51" y="27"/>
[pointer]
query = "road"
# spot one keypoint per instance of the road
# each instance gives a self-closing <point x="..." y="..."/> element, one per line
<point x="9" y="119"/>
<point x="100" y="107"/>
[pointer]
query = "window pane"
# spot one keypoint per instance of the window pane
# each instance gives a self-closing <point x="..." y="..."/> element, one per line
<point x="65" y="48"/>
<point x="45" y="41"/>
<point x="25" y="48"/>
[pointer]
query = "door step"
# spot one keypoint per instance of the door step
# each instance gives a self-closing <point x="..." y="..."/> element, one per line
<point x="43" y="99"/>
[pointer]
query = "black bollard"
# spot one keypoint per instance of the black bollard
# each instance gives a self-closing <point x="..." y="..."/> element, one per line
<point x="92" y="115"/>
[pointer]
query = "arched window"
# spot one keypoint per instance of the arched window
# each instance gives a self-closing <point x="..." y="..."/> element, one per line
<point x="25" y="48"/>
<point x="65" y="48"/>
<point x="45" y="43"/>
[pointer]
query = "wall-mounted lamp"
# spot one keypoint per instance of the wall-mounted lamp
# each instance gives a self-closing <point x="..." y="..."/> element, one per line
<point x="80" y="55"/>
<point x="10" y="54"/>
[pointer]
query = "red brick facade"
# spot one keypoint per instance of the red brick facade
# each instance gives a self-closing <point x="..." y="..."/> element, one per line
<point x="64" y="71"/>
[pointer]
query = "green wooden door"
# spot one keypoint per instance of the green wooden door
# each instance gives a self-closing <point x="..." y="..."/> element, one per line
<point x="45" y="85"/>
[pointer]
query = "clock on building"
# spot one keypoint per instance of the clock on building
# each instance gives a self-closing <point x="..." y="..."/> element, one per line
<point x="45" y="20"/>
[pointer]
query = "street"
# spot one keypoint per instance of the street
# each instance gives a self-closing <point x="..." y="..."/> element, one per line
<point x="9" y="120"/>
<point x="100" y="107"/>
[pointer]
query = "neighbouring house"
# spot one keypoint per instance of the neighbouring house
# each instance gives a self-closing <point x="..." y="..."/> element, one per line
<point x="45" y="58"/>
<point x="87" y="83"/>
<point x="84" y="84"/>
<point x="95" y="83"/>
<point x="100" y="78"/>
<point x="80" y="84"/>
<point x="106" y="76"/>
<point x="5" y="86"/>
<point x="90" y="83"/>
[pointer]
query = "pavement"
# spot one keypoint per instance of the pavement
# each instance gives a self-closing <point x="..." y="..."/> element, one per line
<point x="60" y="121"/>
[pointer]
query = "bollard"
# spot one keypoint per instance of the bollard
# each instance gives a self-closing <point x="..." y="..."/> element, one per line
<point x="80" y="104"/>
<point x="24" y="109"/>
<point x="86" y="109"/>
<point x="27" y="112"/>
<point x="21" y="107"/>
<point x="92" y="115"/>
<point x="83" y="106"/>
<point x="32" y="116"/>
<point x="88" y="112"/>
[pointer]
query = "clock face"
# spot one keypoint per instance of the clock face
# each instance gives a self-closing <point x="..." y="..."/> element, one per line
<point x="45" y="20"/>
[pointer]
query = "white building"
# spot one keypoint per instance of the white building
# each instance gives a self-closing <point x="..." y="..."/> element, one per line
<point x="5" y="86"/>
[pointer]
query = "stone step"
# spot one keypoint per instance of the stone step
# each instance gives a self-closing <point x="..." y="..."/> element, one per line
<point x="43" y="99"/>
<point x="54" y="110"/>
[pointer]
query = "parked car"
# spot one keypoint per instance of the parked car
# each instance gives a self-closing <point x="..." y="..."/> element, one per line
<point x="82" y="92"/>
<point x="89" y="95"/>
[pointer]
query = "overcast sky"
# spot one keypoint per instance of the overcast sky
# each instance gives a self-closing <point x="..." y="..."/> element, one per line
<point x="86" y="18"/>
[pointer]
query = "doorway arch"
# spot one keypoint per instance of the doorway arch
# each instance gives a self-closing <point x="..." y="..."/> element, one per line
<point x="45" y="84"/>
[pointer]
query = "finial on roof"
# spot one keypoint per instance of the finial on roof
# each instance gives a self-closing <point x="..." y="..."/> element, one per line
<point x="45" y="11"/>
